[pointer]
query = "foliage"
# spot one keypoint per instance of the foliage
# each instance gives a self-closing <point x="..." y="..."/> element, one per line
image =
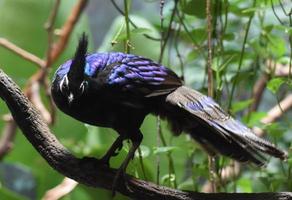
<point x="237" y="63"/>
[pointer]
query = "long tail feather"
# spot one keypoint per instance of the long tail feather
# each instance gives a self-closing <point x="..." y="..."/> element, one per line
<point x="207" y="123"/>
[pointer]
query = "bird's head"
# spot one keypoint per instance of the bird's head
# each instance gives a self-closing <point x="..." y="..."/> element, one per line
<point x="73" y="85"/>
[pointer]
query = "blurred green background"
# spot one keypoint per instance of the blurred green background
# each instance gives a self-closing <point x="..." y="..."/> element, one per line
<point x="24" y="174"/>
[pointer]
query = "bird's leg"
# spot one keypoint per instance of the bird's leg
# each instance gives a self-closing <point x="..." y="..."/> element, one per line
<point x="136" y="141"/>
<point x="117" y="145"/>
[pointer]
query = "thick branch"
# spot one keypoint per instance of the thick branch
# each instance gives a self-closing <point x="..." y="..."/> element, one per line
<point x="89" y="171"/>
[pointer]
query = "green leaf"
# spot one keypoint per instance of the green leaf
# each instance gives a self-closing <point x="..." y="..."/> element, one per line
<point x="142" y="45"/>
<point x="254" y="119"/>
<point x="141" y="30"/>
<point x="161" y="150"/>
<point x="274" y="84"/>
<point x="196" y="8"/>
<point x="229" y="36"/>
<point x="268" y="28"/>
<point x="275" y="130"/>
<point x="240" y="105"/>
<point x="192" y="55"/>
<point x="223" y="66"/>
<point x="199" y="34"/>
<point x="168" y="178"/>
<point x="276" y="45"/>
<point x="249" y="10"/>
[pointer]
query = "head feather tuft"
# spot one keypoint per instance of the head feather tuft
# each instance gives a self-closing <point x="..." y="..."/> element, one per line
<point x="76" y="72"/>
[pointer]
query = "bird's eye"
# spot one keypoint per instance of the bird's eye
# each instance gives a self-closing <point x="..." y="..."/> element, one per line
<point x="82" y="87"/>
<point x="64" y="85"/>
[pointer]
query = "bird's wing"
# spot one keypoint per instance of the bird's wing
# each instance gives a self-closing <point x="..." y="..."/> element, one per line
<point x="141" y="76"/>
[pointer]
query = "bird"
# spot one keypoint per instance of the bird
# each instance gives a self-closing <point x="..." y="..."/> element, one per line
<point x="118" y="90"/>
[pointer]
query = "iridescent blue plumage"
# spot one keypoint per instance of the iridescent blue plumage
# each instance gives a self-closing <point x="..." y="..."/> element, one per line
<point x="118" y="90"/>
<point x="127" y="71"/>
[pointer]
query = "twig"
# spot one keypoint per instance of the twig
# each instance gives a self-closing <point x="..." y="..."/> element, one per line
<point x="168" y="31"/>
<point x="131" y="22"/>
<point x="258" y="91"/>
<point x="160" y="136"/>
<point x="241" y="57"/>
<point x="23" y="53"/>
<point x="211" y="159"/>
<point x="34" y="95"/>
<point x="89" y="171"/>
<point x="276" y="15"/>
<point x="178" y="54"/>
<point x="50" y="29"/>
<point x="209" y="47"/>
<point x="128" y="33"/>
<point x="227" y="174"/>
<point x="61" y="190"/>
<point x="276" y="111"/>
<point x="8" y="134"/>
<point x="277" y="69"/>
<point x="66" y="30"/>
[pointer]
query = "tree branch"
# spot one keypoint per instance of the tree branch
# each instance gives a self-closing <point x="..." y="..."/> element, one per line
<point x="66" y="30"/>
<point x="8" y="135"/>
<point x="60" y="190"/>
<point x="21" y="52"/>
<point x="89" y="171"/>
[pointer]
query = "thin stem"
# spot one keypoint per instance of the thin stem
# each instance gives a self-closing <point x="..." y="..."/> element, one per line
<point x="142" y="163"/>
<point x="163" y="45"/>
<point x="131" y="22"/>
<point x="178" y="52"/>
<point x="50" y="29"/>
<point x="211" y="159"/>
<point x="209" y="42"/>
<point x="158" y="120"/>
<point x="158" y="125"/>
<point x="128" y="36"/>
<point x="290" y="42"/>
<point x="241" y="58"/>
<point x="276" y="15"/>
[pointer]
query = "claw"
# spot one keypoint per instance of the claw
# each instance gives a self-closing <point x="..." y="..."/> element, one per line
<point x="121" y="173"/>
<point x="119" y="177"/>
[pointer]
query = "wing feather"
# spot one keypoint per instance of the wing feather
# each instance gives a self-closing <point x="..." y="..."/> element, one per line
<point x="142" y="76"/>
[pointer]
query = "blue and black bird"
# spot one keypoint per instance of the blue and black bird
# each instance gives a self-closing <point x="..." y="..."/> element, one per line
<point x="118" y="90"/>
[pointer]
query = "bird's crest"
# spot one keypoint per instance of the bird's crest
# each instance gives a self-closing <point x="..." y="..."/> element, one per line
<point x="76" y="72"/>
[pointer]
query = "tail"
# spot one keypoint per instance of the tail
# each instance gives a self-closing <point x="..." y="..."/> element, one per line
<point x="213" y="128"/>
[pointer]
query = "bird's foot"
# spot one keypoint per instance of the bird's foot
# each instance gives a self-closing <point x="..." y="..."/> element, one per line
<point x="120" y="177"/>
<point x="105" y="161"/>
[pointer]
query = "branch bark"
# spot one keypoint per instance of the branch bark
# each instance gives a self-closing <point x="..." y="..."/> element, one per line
<point x="88" y="171"/>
